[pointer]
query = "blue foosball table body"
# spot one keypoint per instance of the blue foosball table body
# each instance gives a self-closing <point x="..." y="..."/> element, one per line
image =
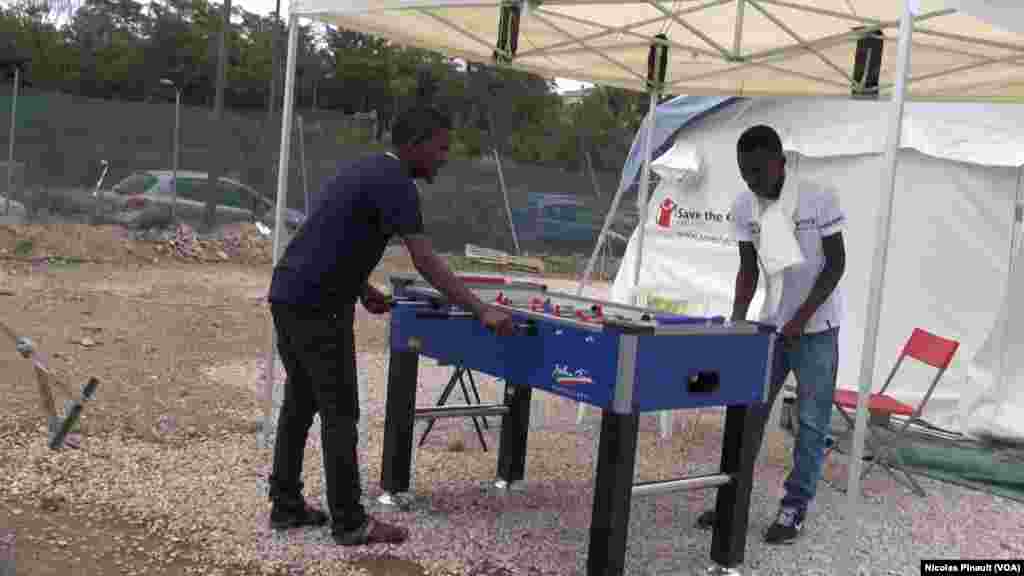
<point x="623" y="360"/>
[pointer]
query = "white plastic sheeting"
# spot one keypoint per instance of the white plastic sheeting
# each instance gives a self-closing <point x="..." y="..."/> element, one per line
<point x="956" y="188"/>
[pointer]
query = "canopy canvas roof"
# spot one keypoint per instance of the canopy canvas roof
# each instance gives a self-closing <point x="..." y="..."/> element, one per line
<point x="717" y="47"/>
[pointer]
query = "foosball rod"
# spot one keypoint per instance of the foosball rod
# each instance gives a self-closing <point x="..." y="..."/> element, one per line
<point x="690" y="483"/>
<point x="461" y="411"/>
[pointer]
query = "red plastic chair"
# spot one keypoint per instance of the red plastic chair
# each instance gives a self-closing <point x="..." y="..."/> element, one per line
<point x="922" y="346"/>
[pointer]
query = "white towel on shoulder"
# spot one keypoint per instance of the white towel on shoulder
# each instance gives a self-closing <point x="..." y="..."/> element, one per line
<point x="778" y="248"/>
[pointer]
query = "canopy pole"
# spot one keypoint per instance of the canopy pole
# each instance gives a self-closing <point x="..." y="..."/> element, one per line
<point x="657" y="65"/>
<point x="657" y="62"/>
<point x="609" y="217"/>
<point x="282" y="194"/>
<point x="878" y="265"/>
<point x="1018" y="216"/>
<point x="508" y="42"/>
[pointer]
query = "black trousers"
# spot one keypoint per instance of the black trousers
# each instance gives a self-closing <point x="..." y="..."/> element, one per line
<point x="317" y="348"/>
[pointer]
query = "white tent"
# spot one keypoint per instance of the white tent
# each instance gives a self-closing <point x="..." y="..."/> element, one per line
<point x="957" y="186"/>
<point x="967" y="49"/>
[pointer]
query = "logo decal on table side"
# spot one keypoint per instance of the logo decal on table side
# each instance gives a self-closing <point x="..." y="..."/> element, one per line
<point x="562" y="375"/>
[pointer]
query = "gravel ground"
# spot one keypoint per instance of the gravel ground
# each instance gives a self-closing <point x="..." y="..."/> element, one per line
<point x="185" y="491"/>
<point x="202" y="491"/>
<point x="460" y="526"/>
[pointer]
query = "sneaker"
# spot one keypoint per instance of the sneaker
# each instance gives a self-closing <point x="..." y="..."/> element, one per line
<point x="706" y="520"/>
<point x="285" y="515"/>
<point x="371" y="532"/>
<point x="786" y="527"/>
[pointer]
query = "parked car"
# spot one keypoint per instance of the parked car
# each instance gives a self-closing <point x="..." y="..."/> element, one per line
<point x="148" y="189"/>
<point x="556" y="217"/>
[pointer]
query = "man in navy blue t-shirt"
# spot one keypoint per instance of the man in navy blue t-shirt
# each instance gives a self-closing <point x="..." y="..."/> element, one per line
<point x="323" y="273"/>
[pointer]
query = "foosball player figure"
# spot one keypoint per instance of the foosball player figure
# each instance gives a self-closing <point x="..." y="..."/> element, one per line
<point x="536" y="304"/>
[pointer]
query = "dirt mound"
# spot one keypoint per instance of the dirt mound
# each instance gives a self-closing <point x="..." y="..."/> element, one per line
<point x="241" y="243"/>
<point x="238" y="243"/>
<point x="71" y="242"/>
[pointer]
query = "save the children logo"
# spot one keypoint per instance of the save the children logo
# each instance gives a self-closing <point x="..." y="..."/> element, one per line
<point x="701" y="222"/>
<point x="562" y="375"/>
<point x="671" y="213"/>
<point x="665" y="212"/>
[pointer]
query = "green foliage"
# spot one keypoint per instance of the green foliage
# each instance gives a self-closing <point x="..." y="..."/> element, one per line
<point x="23" y="247"/>
<point x="121" y="49"/>
<point x="468" y="142"/>
<point x="358" y="135"/>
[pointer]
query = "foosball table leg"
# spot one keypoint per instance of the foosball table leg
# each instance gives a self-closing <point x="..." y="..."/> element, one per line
<point x="399" y="419"/>
<point x="515" y="427"/>
<point x="613" y="489"/>
<point x="732" y="510"/>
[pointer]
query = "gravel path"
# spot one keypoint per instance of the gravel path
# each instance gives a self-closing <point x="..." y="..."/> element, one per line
<point x="462" y="527"/>
<point x="205" y="496"/>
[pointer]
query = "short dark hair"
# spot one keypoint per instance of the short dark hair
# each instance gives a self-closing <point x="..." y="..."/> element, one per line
<point x="759" y="137"/>
<point x="417" y="125"/>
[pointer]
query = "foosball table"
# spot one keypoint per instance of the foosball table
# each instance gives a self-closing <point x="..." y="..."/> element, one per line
<point x="623" y="360"/>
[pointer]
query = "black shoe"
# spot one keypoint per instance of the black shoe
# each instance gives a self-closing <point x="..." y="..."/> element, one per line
<point x="371" y="532"/>
<point x="786" y="527"/>
<point x="706" y="520"/>
<point x="295" y="514"/>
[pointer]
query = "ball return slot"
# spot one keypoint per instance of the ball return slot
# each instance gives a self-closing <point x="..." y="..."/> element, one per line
<point x="478" y="411"/>
<point x="703" y="382"/>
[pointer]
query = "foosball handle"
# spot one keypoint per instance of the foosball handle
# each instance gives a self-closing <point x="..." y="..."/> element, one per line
<point x="526" y="329"/>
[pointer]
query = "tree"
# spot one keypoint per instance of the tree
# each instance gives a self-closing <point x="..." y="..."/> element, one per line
<point x="119" y="49"/>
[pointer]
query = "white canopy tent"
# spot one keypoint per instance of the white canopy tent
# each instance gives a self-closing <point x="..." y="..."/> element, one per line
<point x="959" y="178"/>
<point x="962" y="49"/>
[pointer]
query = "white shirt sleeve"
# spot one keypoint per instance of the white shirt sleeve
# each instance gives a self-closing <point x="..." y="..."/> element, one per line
<point x="741" y="214"/>
<point x="831" y="219"/>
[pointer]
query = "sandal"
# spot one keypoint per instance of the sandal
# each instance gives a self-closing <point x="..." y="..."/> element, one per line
<point x="372" y="532"/>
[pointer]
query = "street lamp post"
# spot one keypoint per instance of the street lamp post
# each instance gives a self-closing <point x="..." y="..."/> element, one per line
<point x="16" y="62"/>
<point x="177" y="142"/>
<point x="10" y="150"/>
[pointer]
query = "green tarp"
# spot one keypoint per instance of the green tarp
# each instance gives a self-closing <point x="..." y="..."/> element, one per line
<point x="994" y="470"/>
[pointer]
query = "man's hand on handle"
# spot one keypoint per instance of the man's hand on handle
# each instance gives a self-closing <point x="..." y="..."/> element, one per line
<point x="375" y="301"/>
<point x="498" y="321"/>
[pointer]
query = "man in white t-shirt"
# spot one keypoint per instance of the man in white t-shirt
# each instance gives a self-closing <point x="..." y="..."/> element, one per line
<point x="808" y="311"/>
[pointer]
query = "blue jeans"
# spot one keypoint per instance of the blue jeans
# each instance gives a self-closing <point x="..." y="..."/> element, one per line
<point x="813" y="358"/>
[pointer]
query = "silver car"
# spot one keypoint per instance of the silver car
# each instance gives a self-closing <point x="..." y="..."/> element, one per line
<point x="236" y="201"/>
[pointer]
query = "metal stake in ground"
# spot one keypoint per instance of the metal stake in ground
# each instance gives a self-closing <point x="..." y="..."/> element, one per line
<point x="73" y="413"/>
